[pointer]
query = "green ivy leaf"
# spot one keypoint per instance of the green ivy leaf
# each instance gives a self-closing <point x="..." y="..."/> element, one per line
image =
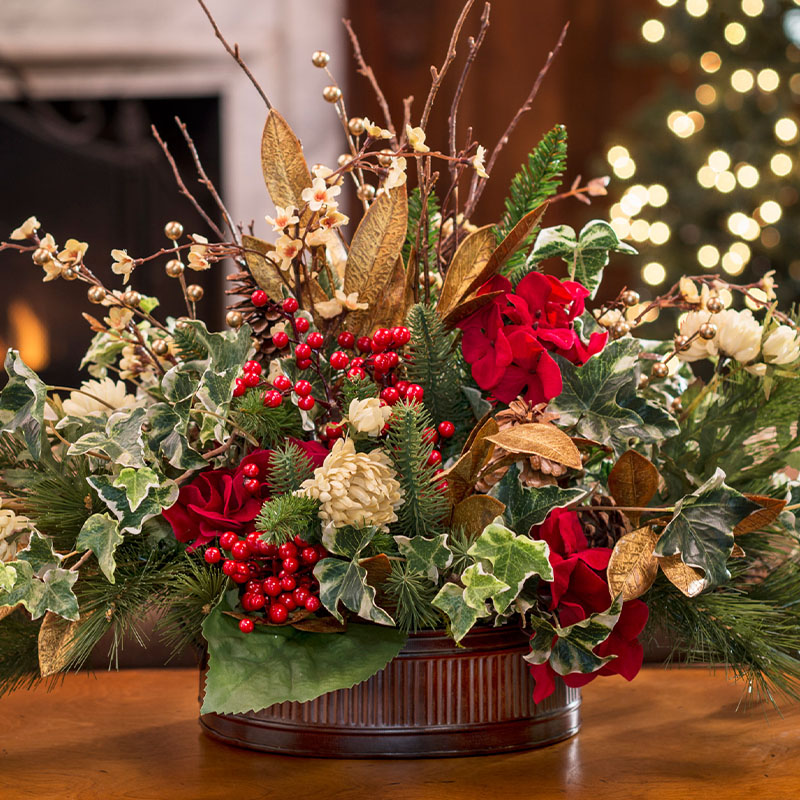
<point x="428" y="556"/>
<point x="701" y="528"/>
<point x="52" y="592"/>
<point x="528" y="507"/>
<point x="122" y="441"/>
<point x="101" y="535"/>
<point x="168" y="425"/>
<point x="24" y="396"/>
<point x="514" y="559"/>
<point x="345" y="582"/>
<point x="462" y="616"/>
<point x="131" y="520"/>
<point x="137" y="483"/>
<point x="348" y="542"/>
<point x="480" y="586"/>
<point x="299" y="665"/>
<point x="586" y="254"/>
<point x="102" y="353"/>
<point x="40" y="554"/>
<point x="8" y="576"/>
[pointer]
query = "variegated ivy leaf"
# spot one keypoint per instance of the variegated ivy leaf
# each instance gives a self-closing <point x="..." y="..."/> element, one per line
<point x="428" y="556"/>
<point x="122" y="440"/>
<point x="480" y="586"/>
<point x="701" y="528"/>
<point x="168" y="425"/>
<point x="24" y="396"/>
<point x="585" y="254"/>
<point x="156" y="500"/>
<point x="571" y="649"/>
<point x="8" y="576"/>
<point x="347" y="542"/>
<point x="345" y="582"/>
<point x="137" y="483"/>
<point x="101" y="535"/>
<point x="52" y="592"/>
<point x="514" y="559"/>
<point x="40" y="554"/>
<point x="450" y="600"/>
<point x="103" y="352"/>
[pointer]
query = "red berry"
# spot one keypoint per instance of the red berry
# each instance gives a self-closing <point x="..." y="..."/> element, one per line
<point x="290" y="305"/>
<point x="300" y="595"/>
<point x="288" y="583"/>
<point x="241" y="577"/>
<point x="259" y="298"/>
<point x="287" y="550"/>
<point x="434" y="458"/>
<point x="251" y="379"/>
<point x="315" y="340"/>
<point x="414" y="392"/>
<point x="382" y="337"/>
<point x="446" y="429"/>
<point x="240" y="551"/>
<point x="253" y="539"/>
<point x="212" y="555"/>
<point x="239" y="388"/>
<point x="303" y="363"/>
<point x="312" y="603"/>
<point x="303" y="388"/>
<point x="253" y="587"/>
<point x="390" y="395"/>
<point x="381" y="363"/>
<point x="271" y="587"/>
<point x="339" y="360"/>
<point x="306" y="403"/>
<point x="443" y="486"/>
<point x="364" y="344"/>
<point x="299" y="541"/>
<point x="302" y="351"/>
<point x="290" y="565"/>
<point x="272" y="398"/>
<point x="430" y="436"/>
<point x="356" y="374"/>
<point x="301" y="324"/>
<point x="334" y="430"/>
<point x="357" y="362"/>
<point x="252" y="485"/>
<point x="287" y="601"/>
<point x="401" y="336"/>
<point x="251" y="470"/>
<point x="228" y="540"/>
<point x="346" y="339"/>
<point x="228" y="567"/>
<point x="401" y="387"/>
<point x="246" y="625"/>
<point x="267" y="549"/>
<point x="252" y="366"/>
<point x="278" y="613"/>
<point x="391" y="358"/>
<point x="280" y="339"/>
<point x="257" y="601"/>
<point x="281" y="382"/>
<point x="309" y="555"/>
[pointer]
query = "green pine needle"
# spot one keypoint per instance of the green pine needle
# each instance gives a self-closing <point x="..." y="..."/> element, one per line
<point x="188" y="344"/>
<point x="286" y="516"/>
<point x="289" y="466"/>
<point x="270" y="426"/>
<point x="411" y="594"/>
<point x="357" y="389"/>
<point x="414" y="218"/>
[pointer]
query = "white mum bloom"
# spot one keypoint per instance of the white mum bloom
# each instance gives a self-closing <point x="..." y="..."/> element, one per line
<point x="368" y="415"/>
<point x="699" y="348"/>
<point x="782" y="346"/>
<point x="738" y="335"/>
<point x="113" y="395"/>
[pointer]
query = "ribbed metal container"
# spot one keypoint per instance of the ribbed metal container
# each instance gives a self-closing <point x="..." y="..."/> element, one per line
<point x="435" y="699"/>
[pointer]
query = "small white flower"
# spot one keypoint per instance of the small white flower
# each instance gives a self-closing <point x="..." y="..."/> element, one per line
<point x="27" y="229"/>
<point x="113" y="394"/>
<point x="123" y="264"/>
<point x="478" y="162"/>
<point x="73" y="252"/>
<point x="738" y="334"/>
<point x="284" y="217"/>
<point x="368" y="415"/>
<point x="416" y="139"/>
<point x="375" y="131"/>
<point x="197" y="253"/>
<point x="320" y="194"/>
<point x="328" y="309"/>
<point x="288" y="249"/>
<point x="699" y="348"/>
<point x="397" y="174"/>
<point x="782" y="346"/>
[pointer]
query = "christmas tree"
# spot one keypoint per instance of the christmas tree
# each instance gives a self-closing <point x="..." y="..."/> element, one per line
<point x="709" y="166"/>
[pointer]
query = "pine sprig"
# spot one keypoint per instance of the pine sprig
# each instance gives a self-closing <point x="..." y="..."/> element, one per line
<point x="188" y="344"/>
<point x="414" y="219"/>
<point x="270" y="426"/>
<point x="411" y="594"/>
<point x="424" y="505"/>
<point x="289" y="466"/>
<point x="357" y="389"/>
<point x="286" y="516"/>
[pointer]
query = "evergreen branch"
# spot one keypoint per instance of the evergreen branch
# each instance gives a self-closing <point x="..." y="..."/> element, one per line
<point x="357" y="389"/>
<point x="411" y="595"/>
<point x="269" y="426"/>
<point x="286" y="516"/>
<point x="414" y="222"/>
<point x="289" y="466"/>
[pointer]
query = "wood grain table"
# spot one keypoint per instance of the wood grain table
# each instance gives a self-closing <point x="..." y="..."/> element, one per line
<point x="133" y="735"/>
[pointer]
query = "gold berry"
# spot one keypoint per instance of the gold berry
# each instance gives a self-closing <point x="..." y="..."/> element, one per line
<point x="174" y="268"/>
<point x="69" y="274"/>
<point x="714" y="305"/>
<point x="173" y="230"/>
<point x="675" y="405"/>
<point x="319" y="58"/>
<point x="41" y="256"/>
<point x="630" y="298"/>
<point x="343" y="159"/>
<point x="385" y="158"/>
<point x="708" y="330"/>
<point x="234" y="319"/>
<point x="96" y="294"/>
<point x="182" y="323"/>
<point x="194" y="292"/>
<point x="620" y="329"/>
<point x="160" y="347"/>
<point x="366" y="191"/>
<point x="131" y="298"/>
<point x="659" y="370"/>
<point x="681" y="343"/>
<point x="356" y="125"/>
<point x="332" y="94"/>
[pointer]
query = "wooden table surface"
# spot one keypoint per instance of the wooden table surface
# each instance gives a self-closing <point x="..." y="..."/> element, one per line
<point x="134" y="735"/>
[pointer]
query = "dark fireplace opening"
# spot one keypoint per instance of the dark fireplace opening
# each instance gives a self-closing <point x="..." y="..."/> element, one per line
<point x="90" y="170"/>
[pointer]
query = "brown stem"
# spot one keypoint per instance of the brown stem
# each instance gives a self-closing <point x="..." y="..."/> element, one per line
<point x="81" y="561"/>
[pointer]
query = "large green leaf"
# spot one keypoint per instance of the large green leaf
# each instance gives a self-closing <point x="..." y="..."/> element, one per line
<point x="168" y="434"/>
<point x="101" y="535"/>
<point x="585" y="254"/>
<point x="8" y="576"/>
<point x="40" y="554"/>
<point x="137" y="484"/>
<point x="345" y="582"/>
<point x="701" y="528"/>
<point x="462" y="616"/>
<point x="131" y="520"/>
<point x="122" y="440"/>
<point x="24" y="396"/>
<point x="279" y="664"/>
<point x="429" y="556"/>
<point x="52" y="592"/>
<point x="514" y="559"/>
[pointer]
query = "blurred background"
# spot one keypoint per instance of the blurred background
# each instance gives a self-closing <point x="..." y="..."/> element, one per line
<point x="690" y="106"/>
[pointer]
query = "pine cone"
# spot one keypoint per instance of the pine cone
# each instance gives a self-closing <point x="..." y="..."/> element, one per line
<point x="604" y="528"/>
<point x="259" y="319"/>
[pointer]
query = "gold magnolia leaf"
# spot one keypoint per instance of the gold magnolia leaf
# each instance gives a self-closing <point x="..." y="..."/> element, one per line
<point x="378" y="568"/>
<point x="546" y="441"/>
<point x="55" y="638"/>
<point x="758" y="520"/>
<point x="478" y="450"/>
<point x="265" y="274"/>
<point x="374" y="251"/>
<point x="468" y="306"/>
<point x="468" y="263"/>
<point x="474" y="513"/>
<point x="633" y="567"/>
<point x="689" y="580"/>
<point x="511" y="243"/>
<point x="738" y="551"/>
<point x="285" y="170"/>
<point x="391" y="310"/>
<point x="633" y="481"/>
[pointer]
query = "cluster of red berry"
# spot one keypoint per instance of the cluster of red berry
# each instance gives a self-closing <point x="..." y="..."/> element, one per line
<point x="278" y="578"/>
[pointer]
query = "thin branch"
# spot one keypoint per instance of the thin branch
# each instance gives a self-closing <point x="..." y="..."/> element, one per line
<point x="365" y="70"/>
<point x="234" y="54"/>
<point x="206" y="181"/>
<point x="438" y="76"/>
<point x="182" y="186"/>
<point x="407" y="101"/>
<point x="476" y="188"/>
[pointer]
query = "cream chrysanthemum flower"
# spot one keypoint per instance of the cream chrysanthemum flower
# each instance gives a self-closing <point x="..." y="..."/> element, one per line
<point x="782" y="346"/>
<point x="738" y="335"/>
<point x="113" y="395"/>
<point x="368" y="415"/>
<point x="358" y="489"/>
<point x="699" y="348"/>
<point x="10" y="525"/>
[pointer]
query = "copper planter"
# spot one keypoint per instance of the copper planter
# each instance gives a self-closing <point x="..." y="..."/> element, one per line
<point x="435" y="699"/>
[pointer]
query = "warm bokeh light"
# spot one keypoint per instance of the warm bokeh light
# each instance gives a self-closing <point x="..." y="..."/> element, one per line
<point x="752" y="7"/>
<point x="735" y="33"/>
<point x="781" y="164"/>
<point x="696" y="7"/>
<point x="657" y="195"/>
<point x="786" y="130"/>
<point x="667" y="3"/>
<point x="742" y="251"/>
<point x="653" y="30"/>
<point x="659" y="232"/>
<point x="29" y="335"/>
<point x="708" y="256"/>
<point x="725" y="182"/>
<point x="617" y="155"/>
<point x="640" y="230"/>
<point x="768" y="80"/>
<point x="719" y="160"/>
<point x="653" y="273"/>
<point x="621" y="226"/>
<point x="710" y="61"/>
<point x="626" y="169"/>
<point x="770" y="237"/>
<point x="705" y="94"/>
<point x="770" y="211"/>
<point x="747" y="175"/>
<point x="732" y="263"/>
<point x="742" y="80"/>
<point x="706" y="176"/>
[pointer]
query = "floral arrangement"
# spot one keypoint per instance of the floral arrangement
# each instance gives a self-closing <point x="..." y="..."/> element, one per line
<point x="414" y="426"/>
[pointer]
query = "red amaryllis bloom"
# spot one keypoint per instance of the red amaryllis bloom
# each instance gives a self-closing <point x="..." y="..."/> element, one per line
<point x="578" y="590"/>
<point x="508" y="342"/>
<point x="216" y="500"/>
